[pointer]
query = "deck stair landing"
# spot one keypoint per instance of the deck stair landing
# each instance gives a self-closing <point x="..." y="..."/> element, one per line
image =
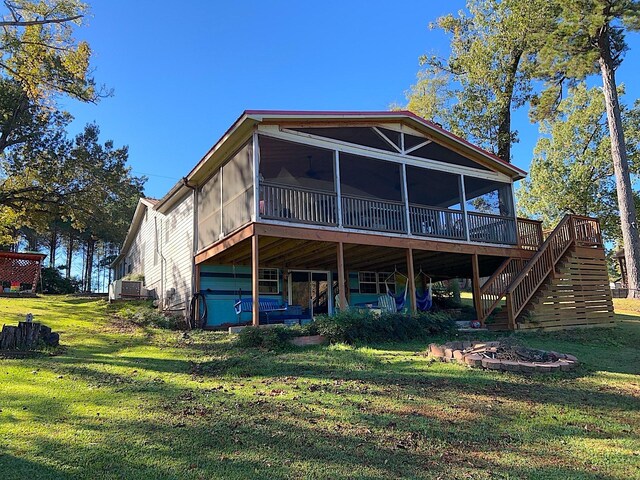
<point x="565" y="284"/>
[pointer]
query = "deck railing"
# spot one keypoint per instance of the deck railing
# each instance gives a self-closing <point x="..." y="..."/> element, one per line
<point x="369" y="214"/>
<point x="437" y="222"/>
<point x="305" y="205"/>
<point x="488" y="228"/>
<point x="530" y="235"/>
<point x="298" y="204"/>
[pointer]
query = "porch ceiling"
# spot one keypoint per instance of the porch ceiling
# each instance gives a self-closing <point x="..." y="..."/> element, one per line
<point x="287" y="253"/>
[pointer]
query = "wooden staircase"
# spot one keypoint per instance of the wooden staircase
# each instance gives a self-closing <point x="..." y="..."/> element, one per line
<point x="564" y="284"/>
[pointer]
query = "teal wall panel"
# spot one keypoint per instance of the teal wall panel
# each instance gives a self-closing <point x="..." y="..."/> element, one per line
<point x="221" y="285"/>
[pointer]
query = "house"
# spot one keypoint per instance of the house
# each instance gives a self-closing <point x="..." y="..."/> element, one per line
<point x="159" y="246"/>
<point x="319" y="209"/>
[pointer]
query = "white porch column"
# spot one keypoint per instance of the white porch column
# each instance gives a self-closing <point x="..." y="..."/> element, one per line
<point x="405" y="197"/>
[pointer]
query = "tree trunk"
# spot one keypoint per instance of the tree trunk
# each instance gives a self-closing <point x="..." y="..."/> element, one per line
<point x="504" y="126"/>
<point x="53" y="246"/>
<point x="32" y="241"/>
<point x="69" y="255"/>
<point x="628" y="221"/>
<point x="89" y="264"/>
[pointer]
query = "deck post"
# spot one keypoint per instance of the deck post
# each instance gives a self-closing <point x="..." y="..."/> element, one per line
<point x="254" y="281"/>
<point x="411" y="281"/>
<point x="405" y="198"/>
<point x="336" y="179"/>
<point x="342" y="298"/>
<point x="477" y="300"/>
<point x="510" y="318"/>
<point x="255" y="214"/>
<point x="463" y="205"/>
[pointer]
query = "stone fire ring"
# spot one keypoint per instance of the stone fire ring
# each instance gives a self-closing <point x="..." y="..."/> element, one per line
<point x="481" y="355"/>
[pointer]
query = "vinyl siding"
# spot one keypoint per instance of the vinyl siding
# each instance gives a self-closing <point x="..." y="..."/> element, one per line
<point x="139" y="259"/>
<point x="162" y="251"/>
<point x="177" y="248"/>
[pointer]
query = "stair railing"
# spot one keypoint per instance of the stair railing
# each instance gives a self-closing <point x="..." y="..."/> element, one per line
<point x="572" y="230"/>
<point x="517" y="281"/>
<point x="495" y="288"/>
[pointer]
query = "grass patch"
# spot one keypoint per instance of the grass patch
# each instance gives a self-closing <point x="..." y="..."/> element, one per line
<point x="128" y="400"/>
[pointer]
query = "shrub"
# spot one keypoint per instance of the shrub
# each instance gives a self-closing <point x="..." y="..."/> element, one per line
<point x="134" y="277"/>
<point x="355" y="326"/>
<point x="273" y="338"/>
<point x="53" y="282"/>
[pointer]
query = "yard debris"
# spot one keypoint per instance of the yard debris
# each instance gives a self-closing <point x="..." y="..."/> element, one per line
<point x="504" y="356"/>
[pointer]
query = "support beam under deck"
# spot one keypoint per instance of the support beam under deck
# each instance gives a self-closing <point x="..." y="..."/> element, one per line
<point x="342" y="298"/>
<point x="411" y="281"/>
<point x="254" y="280"/>
<point x="475" y="283"/>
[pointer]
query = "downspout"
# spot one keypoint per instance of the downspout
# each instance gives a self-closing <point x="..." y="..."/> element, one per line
<point x="162" y="262"/>
<point x="185" y="182"/>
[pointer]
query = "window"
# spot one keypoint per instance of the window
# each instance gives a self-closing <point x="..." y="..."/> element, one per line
<point x="382" y="287"/>
<point x="374" y="282"/>
<point x="269" y="281"/>
<point x="433" y="188"/>
<point x="368" y="282"/>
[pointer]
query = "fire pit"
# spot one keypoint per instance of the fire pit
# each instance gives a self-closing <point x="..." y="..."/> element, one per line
<point x="503" y="356"/>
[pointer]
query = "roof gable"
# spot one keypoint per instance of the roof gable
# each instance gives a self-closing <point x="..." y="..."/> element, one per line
<point x="242" y="128"/>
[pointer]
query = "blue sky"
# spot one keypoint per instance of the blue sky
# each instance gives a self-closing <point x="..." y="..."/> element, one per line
<point x="183" y="72"/>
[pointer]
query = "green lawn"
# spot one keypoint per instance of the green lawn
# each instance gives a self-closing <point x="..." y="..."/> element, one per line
<point x="129" y="402"/>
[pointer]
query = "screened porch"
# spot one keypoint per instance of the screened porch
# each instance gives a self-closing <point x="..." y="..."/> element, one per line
<point x="307" y="184"/>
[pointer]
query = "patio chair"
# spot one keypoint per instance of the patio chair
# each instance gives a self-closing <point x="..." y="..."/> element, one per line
<point x="336" y="302"/>
<point x="386" y="304"/>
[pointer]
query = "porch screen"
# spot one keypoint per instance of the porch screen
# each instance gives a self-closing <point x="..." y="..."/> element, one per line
<point x="209" y="212"/>
<point x="296" y="165"/>
<point x="237" y="189"/>
<point x="488" y="196"/>
<point x="370" y="178"/>
<point x="433" y="188"/>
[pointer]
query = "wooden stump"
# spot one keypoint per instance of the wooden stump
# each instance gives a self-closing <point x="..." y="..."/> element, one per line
<point x="27" y="336"/>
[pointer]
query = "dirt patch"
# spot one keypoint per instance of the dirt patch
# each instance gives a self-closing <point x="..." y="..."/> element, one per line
<point x="121" y="325"/>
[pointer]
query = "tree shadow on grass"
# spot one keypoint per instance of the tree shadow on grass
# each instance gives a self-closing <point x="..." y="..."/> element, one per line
<point x="274" y="439"/>
<point x="322" y="364"/>
<point x="355" y="415"/>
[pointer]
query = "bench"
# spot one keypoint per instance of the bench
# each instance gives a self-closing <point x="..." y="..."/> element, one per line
<point x="265" y="305"/>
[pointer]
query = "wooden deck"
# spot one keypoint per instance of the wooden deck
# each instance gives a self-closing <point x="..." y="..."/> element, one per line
<point x="565" y="284"/>
<point x="558" y="284"/>
<point x="578" y="294"/>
